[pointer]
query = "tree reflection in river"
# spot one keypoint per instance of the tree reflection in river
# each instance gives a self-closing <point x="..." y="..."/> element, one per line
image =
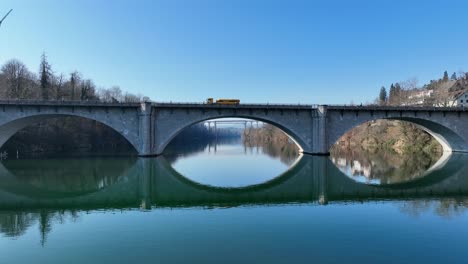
<point x="16" y="223"/>
<point x="446" y="207"/>
<point x="382" y="167"/>
<point x="92" y="175"/>
<point x="277" y="146"/>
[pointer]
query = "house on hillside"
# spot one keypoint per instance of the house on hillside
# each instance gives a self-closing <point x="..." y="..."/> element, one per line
<point x="451" y="94"/>
<point x="459" y="98"/>
<point x="418" y="96"/>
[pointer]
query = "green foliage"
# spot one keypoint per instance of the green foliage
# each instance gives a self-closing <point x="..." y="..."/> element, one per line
<point x="446" y="77"/>
<point x="383" y="95"/>
<point x="46" y="76"/>
<point x="453" y="77"/>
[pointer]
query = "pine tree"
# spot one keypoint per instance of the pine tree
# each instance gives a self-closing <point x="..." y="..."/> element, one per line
<point x="454" y="76"/>
<point x="397" y="95"/>
<point x="446" y="78"/>
<point x="391" y="98"/>
<point x="74" y="79"/>
<point x="46" y="76"/>
<point x="383" y="95"/>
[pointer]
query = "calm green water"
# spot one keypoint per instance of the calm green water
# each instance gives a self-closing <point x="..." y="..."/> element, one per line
<point x="234" y="204"/>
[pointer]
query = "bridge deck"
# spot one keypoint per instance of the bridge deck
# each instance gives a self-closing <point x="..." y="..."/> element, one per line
<point x="66" y="103"/>
<point x="197" y="105"/>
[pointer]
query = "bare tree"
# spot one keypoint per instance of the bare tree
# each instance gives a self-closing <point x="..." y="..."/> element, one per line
<point x="87" y="90"/>
<point x="19" y="81"/>
<point x="58" y="87"/>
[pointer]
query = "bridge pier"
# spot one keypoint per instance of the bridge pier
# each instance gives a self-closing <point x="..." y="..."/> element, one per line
<point x="319" y="136"/>
<point x="146" y="130"/>
<point x="146" y="174"/>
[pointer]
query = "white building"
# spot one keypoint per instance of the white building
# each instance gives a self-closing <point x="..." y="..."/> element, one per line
<point x="459" y="99"/>
<point x="418" y="97"/>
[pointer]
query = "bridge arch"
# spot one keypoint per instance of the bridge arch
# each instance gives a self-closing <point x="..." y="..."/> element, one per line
<point x="445" y="133"/>
<point x="166" y="135"/>
<point x="12" y="125"/>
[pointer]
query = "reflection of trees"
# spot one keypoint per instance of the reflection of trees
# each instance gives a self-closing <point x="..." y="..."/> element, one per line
<point x="273" y="142"/>
<point x="15" y="224"/>
<point x="51" y="176"/>
<point x="446" y="207"/>
<point x="69" y="175"/>
<point x="269" y="139"/>
<point x="178" y="149"/>
<point x="384" y="166"/>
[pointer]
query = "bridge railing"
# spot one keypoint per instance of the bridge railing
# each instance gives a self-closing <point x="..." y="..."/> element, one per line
<point x="65" y="102"/>
<point x="248" y="104"/>
<point x="397" y="107"/>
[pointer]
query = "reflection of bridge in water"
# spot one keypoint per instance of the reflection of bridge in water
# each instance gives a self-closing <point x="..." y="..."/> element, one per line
<point x="153" y="182"/>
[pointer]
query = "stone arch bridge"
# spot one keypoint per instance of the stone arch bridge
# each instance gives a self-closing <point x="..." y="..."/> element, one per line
<point x="149" y="127"/>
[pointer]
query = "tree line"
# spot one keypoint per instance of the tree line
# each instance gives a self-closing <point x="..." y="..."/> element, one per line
<point x="18" y="82"/>
<point x="402" y="93"/>
<point x="65" y="135"/>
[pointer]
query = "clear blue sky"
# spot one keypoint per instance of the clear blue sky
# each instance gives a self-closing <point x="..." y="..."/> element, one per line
<point x="258" y="51"/>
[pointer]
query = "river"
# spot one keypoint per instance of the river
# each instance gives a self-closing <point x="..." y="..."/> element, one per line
<point x="227" y="202"/>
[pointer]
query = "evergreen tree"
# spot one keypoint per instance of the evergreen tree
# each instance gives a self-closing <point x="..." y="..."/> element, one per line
<point x="46" y="76"/>
<point x="74" y="79"/>
<point x="391" y="97"/>
<point x="454" y="76"/>
<point x="397" y="95"/>
<point x="383" y="95"/>
<point x="397" y="89"/>
<point x="446" y="78"/>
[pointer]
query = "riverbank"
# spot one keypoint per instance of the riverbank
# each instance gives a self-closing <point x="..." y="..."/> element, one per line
<point x="388" y="135"/>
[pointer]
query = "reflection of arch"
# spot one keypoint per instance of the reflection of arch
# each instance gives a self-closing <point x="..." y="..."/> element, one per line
<point x="414" y="177"/>
<point x="291" y="172"/>
<point x="299" y="138"/>
<point x="11" y="127"/>
<point x="446" y="135"/>
<point x="311" y="179"/>
<point x="342" y="186"/>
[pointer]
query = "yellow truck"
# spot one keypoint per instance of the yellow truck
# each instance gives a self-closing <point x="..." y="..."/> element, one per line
<point x="223" y="101"/>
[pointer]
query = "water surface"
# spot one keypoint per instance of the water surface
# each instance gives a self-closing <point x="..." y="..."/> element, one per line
<point x="232" y="205"/>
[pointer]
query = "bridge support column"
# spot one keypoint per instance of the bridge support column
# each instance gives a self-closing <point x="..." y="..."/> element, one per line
<point x="323" y="184"/>
<point x="145" y="183"/>
<point x="145" y="130"/>
<point x="319" y="132"/>
<point x="320" y="170"/>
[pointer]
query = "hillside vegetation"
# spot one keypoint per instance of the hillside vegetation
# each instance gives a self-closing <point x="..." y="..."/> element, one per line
<point x="396" y="136"/>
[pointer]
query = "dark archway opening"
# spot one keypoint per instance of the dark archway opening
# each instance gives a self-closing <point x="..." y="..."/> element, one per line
<point x="69" y="136"/>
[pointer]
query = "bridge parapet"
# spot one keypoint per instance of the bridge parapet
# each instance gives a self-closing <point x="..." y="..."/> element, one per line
<point x="233" y="106"/>
<point x="67" y="103"/>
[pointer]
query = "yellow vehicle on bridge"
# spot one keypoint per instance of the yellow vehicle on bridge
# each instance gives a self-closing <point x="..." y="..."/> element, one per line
<point x="223" y="101"/>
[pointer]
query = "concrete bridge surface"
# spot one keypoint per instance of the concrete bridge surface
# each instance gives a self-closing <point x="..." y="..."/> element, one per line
<point x="150" y="127"/>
